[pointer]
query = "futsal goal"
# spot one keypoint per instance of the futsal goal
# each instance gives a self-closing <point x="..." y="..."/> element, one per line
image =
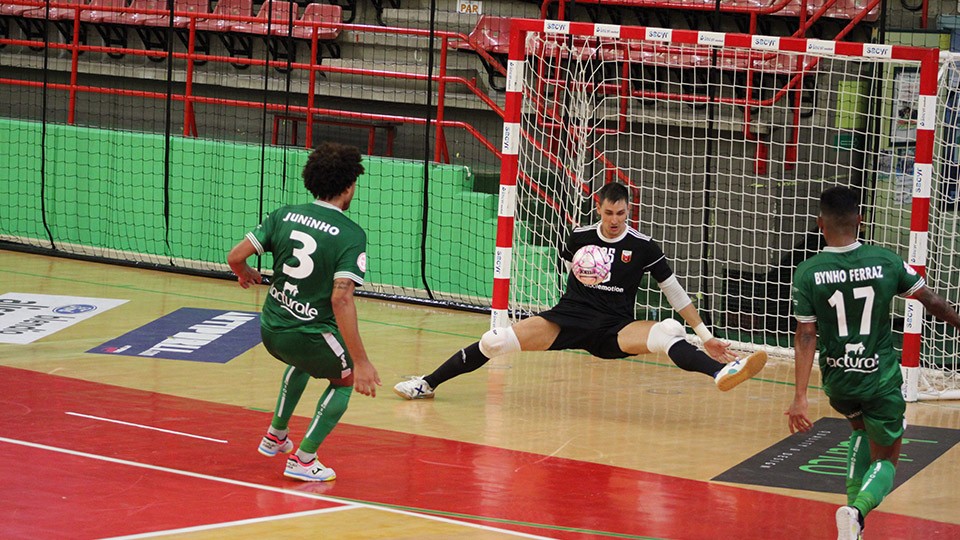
<point x="725" y="142"/>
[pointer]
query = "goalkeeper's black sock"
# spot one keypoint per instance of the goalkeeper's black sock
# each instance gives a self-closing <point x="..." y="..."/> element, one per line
<point x="463" y="361"/>
<point x="689" y="358"/>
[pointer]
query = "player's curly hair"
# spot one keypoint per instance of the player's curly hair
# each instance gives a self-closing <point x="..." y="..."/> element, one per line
<point x="331" y="169"/>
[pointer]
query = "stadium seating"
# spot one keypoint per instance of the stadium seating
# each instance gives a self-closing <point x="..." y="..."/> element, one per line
<point x="492" y="35"/>
<point x="277" y="18"/>
<point x="15" y="10"/>
<point x="31" y="29"/>
<point x="326" y="36"/>
<point x="153" y="19"/>
<point x="62" y="19"/>
<point x="107" y="23"/>
<point x="153" y="27"/>
<point x="56" y="13"/>
<point x="226" y="8"/>
<point x="237" y="36"/>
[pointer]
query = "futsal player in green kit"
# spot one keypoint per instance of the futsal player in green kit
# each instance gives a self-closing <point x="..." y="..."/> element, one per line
<point x="309" y="320"/>
<point x="844" y="293"/>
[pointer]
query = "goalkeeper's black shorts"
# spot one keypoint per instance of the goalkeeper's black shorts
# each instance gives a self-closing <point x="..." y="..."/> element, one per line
<point x="586" y="329"/>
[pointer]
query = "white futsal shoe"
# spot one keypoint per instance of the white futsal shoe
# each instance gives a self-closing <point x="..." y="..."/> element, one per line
<point x="740" y="370"/>
<point x="848" y="523"/>
<point x="312" y="471"/>
<point x="270" y="445"/>
<point x="414" y="388"/>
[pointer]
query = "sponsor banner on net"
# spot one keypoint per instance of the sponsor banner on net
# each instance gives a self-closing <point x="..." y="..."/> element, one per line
<point x="200" y="335"/>
<point x="27" y="317"/>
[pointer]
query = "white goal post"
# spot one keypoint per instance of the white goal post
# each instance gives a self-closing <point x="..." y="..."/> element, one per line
<point x="725" y="142"/>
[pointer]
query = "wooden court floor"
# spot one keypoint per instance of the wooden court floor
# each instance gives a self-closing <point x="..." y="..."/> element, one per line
<point x="543" y="445"/>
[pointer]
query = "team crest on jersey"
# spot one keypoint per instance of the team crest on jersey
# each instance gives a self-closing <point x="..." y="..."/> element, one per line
<point x="626" y="255"/>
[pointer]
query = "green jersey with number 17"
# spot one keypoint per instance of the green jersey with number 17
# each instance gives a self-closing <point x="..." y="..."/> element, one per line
<point x="848" y="292"/>
<point x="312" y="244"/>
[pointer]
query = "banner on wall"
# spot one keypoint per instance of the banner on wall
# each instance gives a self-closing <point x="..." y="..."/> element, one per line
<point x="25" y="317"/>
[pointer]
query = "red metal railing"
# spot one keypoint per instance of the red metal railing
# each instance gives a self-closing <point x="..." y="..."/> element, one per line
<point x="190" y="128"/>
<point x="753" y="64"/>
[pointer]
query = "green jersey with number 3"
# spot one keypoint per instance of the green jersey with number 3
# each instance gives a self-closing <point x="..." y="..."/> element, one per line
<point x="312" y="244"/>
<point x="848" y="292"/>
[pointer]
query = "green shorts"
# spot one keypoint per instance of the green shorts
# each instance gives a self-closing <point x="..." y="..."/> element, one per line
<point x="322" y="355"/>
<point x="882" y="415"/>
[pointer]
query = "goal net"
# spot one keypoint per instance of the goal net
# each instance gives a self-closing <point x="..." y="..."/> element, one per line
<point x="725" y="142"/>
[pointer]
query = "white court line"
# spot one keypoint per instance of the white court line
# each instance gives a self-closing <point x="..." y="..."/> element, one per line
<point x="283" y="491"/>
<point x="237" y="523"/>
<point x="142" y="426"/>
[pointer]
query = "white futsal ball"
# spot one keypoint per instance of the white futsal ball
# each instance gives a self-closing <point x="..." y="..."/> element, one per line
<point x="590" y="265"/>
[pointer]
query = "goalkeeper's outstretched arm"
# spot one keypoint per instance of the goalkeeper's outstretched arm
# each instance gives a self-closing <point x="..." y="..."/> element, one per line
<point x="681" y="303"/>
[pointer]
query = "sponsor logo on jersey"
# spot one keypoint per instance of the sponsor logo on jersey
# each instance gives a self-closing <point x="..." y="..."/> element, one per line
<point x="300" y="310"/>
<point x="608" y="288"/>
<point x="362" y="262"/>
<point x="626" y="256"/>
<point x="202" y="335"/>
<point x="852" y="361"/>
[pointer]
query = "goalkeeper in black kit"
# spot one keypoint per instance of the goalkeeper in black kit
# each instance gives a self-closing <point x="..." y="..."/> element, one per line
<point x="600" y="318"/>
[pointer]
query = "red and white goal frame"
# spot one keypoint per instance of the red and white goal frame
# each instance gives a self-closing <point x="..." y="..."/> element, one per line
<point x="516" y="135"/>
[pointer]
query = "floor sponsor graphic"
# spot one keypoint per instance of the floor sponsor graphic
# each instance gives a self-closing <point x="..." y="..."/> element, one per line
<point x="25" y="318"/>
<point x="817" y="460"/>
<point x="201" y="335"/>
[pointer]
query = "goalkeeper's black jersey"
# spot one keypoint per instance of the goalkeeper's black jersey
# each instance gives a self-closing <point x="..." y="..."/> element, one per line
<point x="632" y="254"/>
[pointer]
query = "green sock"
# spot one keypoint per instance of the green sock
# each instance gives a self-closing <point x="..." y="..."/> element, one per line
<point x="294" y="381"/>
<point x="877" y="483"/>
<point x="332" y="405"/>
<point x="858" y="461"/>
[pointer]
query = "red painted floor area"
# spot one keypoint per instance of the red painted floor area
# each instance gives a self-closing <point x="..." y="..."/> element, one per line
<point x="56" y="495"/>
<point x="84" y="498"/>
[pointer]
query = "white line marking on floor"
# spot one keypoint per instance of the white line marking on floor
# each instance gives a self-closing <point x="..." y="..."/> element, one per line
<point x="237" y="523"/>
<point x="142" y="426"/>
<point x="351" y="504"/>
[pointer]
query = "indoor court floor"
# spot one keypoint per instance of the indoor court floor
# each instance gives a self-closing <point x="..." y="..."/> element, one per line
<point x="119" y="444"/>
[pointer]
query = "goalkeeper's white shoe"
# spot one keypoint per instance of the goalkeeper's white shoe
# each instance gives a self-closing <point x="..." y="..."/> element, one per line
<point x="740" y="370"/>
<point x="414" y="388"/>
<point x="270" y="445"/>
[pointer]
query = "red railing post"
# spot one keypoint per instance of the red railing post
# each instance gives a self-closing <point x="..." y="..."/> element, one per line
<point x="189" y="119"/>
<point x="74" y="67"/>
<point x="311" y="83"/>
<point x="440" y="142"/>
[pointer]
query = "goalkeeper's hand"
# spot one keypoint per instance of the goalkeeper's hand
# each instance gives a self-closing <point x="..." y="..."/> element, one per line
<point x="719" y="350"/>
